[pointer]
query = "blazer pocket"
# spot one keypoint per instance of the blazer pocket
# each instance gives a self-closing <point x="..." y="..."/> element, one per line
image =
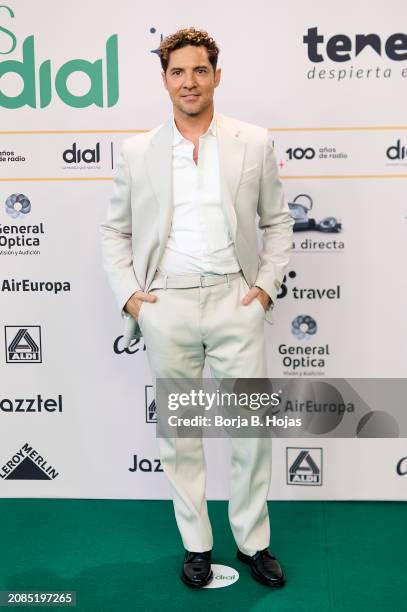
<point x="249" y="174"/>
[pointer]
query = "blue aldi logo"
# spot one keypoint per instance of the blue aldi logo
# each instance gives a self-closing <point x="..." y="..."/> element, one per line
<point x="304" y="466"/>
<point x="23" y="344"/>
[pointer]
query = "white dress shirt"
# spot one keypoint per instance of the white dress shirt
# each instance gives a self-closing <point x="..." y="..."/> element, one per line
<point x="199" y="241"/>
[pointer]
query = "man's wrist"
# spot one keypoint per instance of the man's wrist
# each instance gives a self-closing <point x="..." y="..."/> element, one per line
<point x="124" y="309"/>
<point x="270" y="301"/>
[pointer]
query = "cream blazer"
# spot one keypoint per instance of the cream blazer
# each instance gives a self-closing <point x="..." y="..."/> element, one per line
<point x="139" y="213"/>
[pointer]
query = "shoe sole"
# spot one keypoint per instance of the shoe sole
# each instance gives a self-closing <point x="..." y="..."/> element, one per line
<point x="192" y="585"/>
<point x="272" y="585"/>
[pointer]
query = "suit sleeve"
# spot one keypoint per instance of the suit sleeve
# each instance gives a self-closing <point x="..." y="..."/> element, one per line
<point x="276" y="222"/>
<point x="116" y="236"/>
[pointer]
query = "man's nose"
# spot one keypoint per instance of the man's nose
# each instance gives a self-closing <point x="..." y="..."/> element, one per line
<point x="189" y="81"/>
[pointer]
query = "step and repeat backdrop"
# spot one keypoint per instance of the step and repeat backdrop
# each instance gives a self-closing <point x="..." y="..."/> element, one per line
<point x="77" y="412"/>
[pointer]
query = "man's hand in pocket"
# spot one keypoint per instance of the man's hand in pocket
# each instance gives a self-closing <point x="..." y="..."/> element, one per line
<point x="134" y="303"/>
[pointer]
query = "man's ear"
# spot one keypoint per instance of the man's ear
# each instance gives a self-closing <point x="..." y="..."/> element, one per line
<point x="218" y="73"/>
<point x="164" y="79"/>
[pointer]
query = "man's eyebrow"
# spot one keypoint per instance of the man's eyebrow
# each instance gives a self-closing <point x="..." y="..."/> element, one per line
<point x="195" y="68"/>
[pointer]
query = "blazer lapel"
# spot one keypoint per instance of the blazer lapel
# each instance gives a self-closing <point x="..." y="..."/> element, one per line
<point x="158" y="159"/>
<point x="231" y="157"/>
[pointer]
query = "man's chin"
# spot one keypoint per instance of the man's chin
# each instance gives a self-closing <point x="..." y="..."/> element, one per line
<point x="191" y="111"/>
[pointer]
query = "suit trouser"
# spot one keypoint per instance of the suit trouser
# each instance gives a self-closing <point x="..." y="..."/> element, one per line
<point x="180" y="329"/>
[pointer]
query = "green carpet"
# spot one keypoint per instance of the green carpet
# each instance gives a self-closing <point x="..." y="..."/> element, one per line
<point x="126" y="555"/>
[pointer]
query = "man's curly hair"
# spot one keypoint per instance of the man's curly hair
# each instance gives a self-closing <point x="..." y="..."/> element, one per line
<point x="184" y="37"/>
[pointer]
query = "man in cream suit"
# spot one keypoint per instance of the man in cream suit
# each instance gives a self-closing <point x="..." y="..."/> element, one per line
<point x="181" y="254"/>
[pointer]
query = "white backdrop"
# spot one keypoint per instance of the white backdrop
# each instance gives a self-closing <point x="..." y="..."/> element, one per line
<point x="72" y="402"/>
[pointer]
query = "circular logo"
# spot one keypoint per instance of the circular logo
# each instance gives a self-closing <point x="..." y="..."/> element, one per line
<point x="378" y="424"/>
<point x="303" y="327"/>
<point x="17" y="205"/>
<point x="223" y="576"/>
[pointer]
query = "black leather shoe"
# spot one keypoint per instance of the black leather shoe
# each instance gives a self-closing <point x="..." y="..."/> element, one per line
<point x="196" y="570"/>
<point x="264" y="567"/>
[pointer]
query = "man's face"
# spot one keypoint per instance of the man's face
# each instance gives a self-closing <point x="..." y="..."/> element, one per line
<point x="190" y="80"/>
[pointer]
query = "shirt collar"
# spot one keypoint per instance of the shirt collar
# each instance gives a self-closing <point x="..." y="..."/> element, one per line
<point x="178" y="137"/>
